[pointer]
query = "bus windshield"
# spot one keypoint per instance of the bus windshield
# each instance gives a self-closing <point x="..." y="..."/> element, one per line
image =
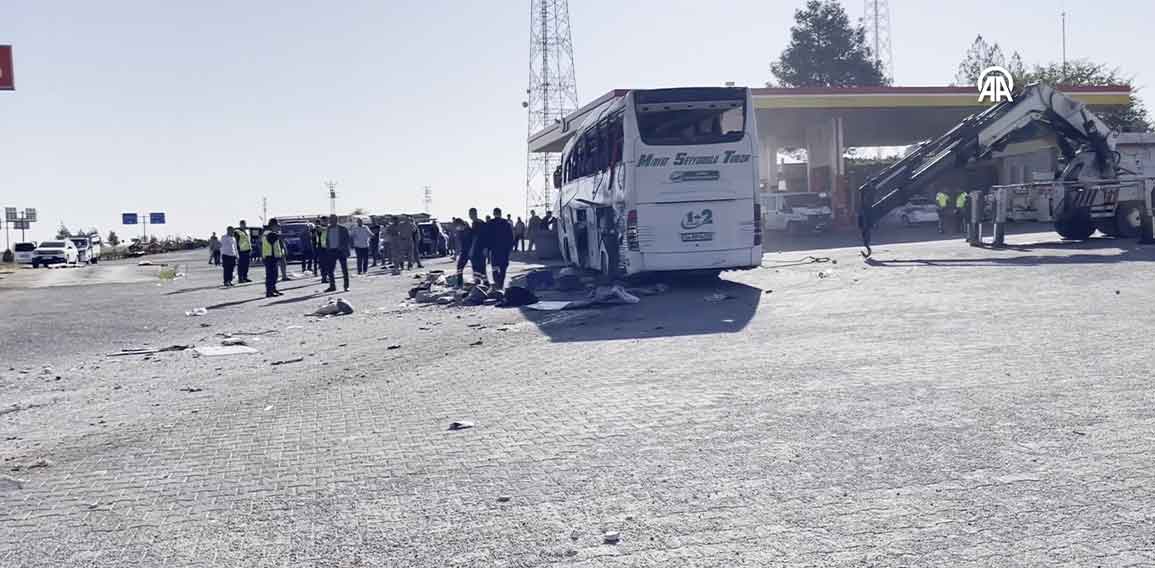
<point x="691" y="123"/>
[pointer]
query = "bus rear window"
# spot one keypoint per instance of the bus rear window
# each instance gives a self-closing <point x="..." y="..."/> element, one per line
<point x="691" y="123"/>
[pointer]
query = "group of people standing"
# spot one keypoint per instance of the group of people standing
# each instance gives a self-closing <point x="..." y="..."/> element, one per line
<point x="953" y="213"/>
<point x="491" y="241"/>
<point x="326" y="244"/>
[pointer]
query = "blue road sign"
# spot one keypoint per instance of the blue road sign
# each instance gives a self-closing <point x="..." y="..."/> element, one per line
<point x="128" y="218"/>
<point x="156" y="218"/>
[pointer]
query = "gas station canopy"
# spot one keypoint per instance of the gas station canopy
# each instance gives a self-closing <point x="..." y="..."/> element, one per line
<point x="868" y="116"/>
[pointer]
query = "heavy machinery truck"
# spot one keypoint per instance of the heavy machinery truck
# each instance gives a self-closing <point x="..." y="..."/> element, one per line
<point x="1087" y="194"/>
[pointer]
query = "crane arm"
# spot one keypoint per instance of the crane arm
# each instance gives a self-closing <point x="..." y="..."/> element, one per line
<point x="976" y="138"/>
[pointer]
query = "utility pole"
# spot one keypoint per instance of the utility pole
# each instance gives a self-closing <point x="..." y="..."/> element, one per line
<point x="428" y="200"/>
<point x="264" y="210"/>
<point x="1063" y="25"/>
<point x="332" y="185"/>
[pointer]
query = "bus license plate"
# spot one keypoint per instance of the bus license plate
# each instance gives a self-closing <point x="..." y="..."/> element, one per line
<point x="697" y="237"/>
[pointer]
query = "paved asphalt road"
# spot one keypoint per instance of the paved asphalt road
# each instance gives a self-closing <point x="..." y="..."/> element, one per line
<point x="939" y="406"/>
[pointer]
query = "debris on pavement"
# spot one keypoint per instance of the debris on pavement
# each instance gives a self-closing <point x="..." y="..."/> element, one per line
<point x="287" y="361"/>
<point x="611" y="537"/>
<point x="460" y="425"/>
<point x="654" y="290"/>
<point x="17" y="407"/>
<point x="233" y="341"/>
<point x="148" y="350"/>
<point x="392" y="347"/>
<point x="144" y="263"/>
<point x="334" y="307"/>
<point x="224" y="350"/>
<point x="718" y="297"/>
<point x="599" y="296"/>
<point x="476" y="343"/>
<point x="516" y="296"/>
<point x="196" y="312"/>
<point x="190" y="389"/>
<point x="40" y="463"/>
<point x="503" y="498"/>
<point x="9" y="483"/>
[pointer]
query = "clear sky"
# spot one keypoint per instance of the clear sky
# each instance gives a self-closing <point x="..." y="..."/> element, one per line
<point x="200" y="109"/>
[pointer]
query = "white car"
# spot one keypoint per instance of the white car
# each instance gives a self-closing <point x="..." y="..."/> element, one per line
<point x="24" y="252"/>
<point x="917" y="210"/>
<point x="55" y="252"/>
<point x="796" y="212"/>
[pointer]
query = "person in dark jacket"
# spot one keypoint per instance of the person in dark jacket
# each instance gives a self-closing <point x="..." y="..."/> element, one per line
<point x="336" y="241"/>
<point x="480" y="246"/>
<point x="272" y="251"/>
<point x="464" y="236"/>
<point x="499" y="235"/>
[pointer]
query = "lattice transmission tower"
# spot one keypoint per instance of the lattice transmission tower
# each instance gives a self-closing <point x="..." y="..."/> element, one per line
<point x="552" y="93"/>
<point x="876" y="18"/>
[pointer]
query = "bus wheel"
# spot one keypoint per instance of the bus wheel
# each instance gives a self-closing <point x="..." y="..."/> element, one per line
<point x="1127" y="220"/>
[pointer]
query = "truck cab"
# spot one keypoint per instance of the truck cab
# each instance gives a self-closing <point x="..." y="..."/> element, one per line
<point x="797" y="212"/>
<point x="87" y="249"/>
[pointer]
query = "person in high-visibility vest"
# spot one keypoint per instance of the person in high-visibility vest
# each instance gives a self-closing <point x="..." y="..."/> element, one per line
<point x="942" y="200"/>
<point x="245" y="248"/>
<point x="964" y="219"/>
<point x="272" y="251"/>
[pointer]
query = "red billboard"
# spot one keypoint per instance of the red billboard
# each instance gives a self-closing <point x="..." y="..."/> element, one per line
<point x="7" y="80"/>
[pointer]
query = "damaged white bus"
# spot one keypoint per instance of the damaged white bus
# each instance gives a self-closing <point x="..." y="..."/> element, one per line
<point x="662" y="180"/>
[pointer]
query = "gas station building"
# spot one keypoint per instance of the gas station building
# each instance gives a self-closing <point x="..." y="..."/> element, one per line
<point x="827" y="121"/>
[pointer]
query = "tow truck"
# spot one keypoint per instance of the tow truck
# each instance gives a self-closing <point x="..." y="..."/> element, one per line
<point x="1086" y="194"/>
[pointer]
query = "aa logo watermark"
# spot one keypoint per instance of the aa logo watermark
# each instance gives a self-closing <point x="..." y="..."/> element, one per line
<point x="995" y="84"/>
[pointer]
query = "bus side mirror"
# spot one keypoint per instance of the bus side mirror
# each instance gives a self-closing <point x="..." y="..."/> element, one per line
<point x="557" y="178"/>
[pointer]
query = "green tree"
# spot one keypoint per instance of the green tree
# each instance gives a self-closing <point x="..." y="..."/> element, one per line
<point x="62" y="232"/>
<point x="1130" y="118"/>
<point x="826" y="51"/>
<point x="981" y="55"/>
<point x="113" y="239"/>
<point x="358" y="211"/>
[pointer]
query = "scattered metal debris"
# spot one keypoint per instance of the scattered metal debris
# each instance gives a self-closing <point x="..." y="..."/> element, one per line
<point x="287" y="361"/>
<point x="224" y="350"/>
<point x="460" y="425"/>
<point x="40" y="463"/>
<point x="196" y="312"/>
<point x="191" y="389"/>
<point x="148" y="350"/>
<point x="612" y="537"/>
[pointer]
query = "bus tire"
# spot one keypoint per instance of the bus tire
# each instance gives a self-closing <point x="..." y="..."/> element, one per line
<point x="1127" y="220"/>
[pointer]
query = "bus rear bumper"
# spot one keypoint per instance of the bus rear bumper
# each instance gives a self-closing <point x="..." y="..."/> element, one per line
<point x="705" y="260"/>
